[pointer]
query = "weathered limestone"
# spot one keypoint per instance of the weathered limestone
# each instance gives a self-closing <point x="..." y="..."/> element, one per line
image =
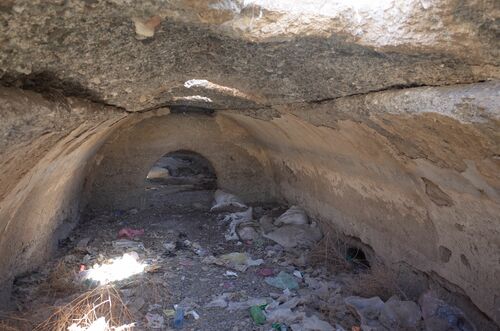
<point x="255" y="56"/>
<point x="43" y="153"/>
<point x="382" y="121"/>
<point x="122" y="165"/>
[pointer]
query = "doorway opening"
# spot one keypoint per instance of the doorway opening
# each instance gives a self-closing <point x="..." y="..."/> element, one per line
<point x="182" y="170"/>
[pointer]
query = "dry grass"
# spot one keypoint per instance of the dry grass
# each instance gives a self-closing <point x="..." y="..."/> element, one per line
<point x="377" y="281"/>
<point x="104" y="301"/>
<point x="60" y="281"/>
<point x="14" y="323"/>
<point x="330" y="252"/>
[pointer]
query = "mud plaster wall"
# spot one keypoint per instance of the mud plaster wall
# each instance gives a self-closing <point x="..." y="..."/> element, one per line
<point x="44" y="150"/>
<point x="422" y="189"/>
<point x="121" y="166"/>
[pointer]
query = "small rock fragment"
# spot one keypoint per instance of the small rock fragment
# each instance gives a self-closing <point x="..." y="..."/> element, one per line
<point x="293" y="216"/>
<point x="146" y="29"/>
<point x="248" y="233"/>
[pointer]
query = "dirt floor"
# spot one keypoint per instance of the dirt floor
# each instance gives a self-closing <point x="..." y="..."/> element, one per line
<point x="182" y="246"/>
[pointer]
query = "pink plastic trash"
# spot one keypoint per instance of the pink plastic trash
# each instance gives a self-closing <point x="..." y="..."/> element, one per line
<point x="130" y="233"/>
<point x="265" y="272"/>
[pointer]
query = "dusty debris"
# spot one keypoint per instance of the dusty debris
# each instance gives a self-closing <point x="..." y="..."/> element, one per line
<point x="181" y="269"/>
<point x="392" y="315"/>
<point x="155" y="321"/>
<point x="266" y="223"/>
<point x="293" y="216"/>
<point x="312" y="323"/>
<point x="235" y="219"/>
<point x="440" y="316"/>
<point x="125" y="243"/>
<point x="227" y="202"/>
<point x="237" y="261"/>
<point x="283" y="281"/>
<point x="290" y="236"/>
<point x="219" y="302"/>
<point x="247" y="233"/>
<point x="284" y="315"/>
<point x="242" y="305"/>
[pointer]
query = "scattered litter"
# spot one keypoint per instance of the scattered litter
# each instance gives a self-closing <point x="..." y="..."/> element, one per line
<point x="313" y="323"/>
<point x="130" y="233"/>
<point x="247" y="233"/>
<point x="241" y="305"/>
<point x="155" y="321"/>
<point x="284" y="315"/>
<point x="283" y="281"/>
<point x="218" y="302"/>
<point x="266" y="223"/>
<point x="257" y="314"/>
<point x="169" y="246"/>
<point x="290" y="236"/>
<point x="298" y="289"/>
<point x="234" y="219"/>
<point x="403" y="314"/>
<point x="292" y="303"/>
<point x="227" y="202"/>
<point x="198" y="250"/>
<point x="438" y="315"/>
<point x="293" y="216"/>
<point x="194" y="314"/>
<point x="240" y="261"/>
<point x="265" y="272"/>
<point x="169" y="313"/>
<point x="178" y="317"/>
<point x="375" y="314"/>
<point x="237" y="261"/>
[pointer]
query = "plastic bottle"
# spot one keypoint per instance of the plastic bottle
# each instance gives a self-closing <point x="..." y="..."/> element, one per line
<point x="257" y="315"/>
<point x="178" y="318"/>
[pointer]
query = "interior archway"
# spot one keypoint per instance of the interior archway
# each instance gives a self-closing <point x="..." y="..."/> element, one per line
<point x="184" y="169"/>
<point x="371" y="126"/>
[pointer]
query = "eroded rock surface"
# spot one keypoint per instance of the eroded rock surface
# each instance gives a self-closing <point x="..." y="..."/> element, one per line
<point x="380" y="121"/>
<point x="140" y="55"/>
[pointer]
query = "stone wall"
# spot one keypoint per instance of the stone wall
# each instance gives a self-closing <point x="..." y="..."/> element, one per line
<point x="121" y="166"/>
<point x="46" y="143"/>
